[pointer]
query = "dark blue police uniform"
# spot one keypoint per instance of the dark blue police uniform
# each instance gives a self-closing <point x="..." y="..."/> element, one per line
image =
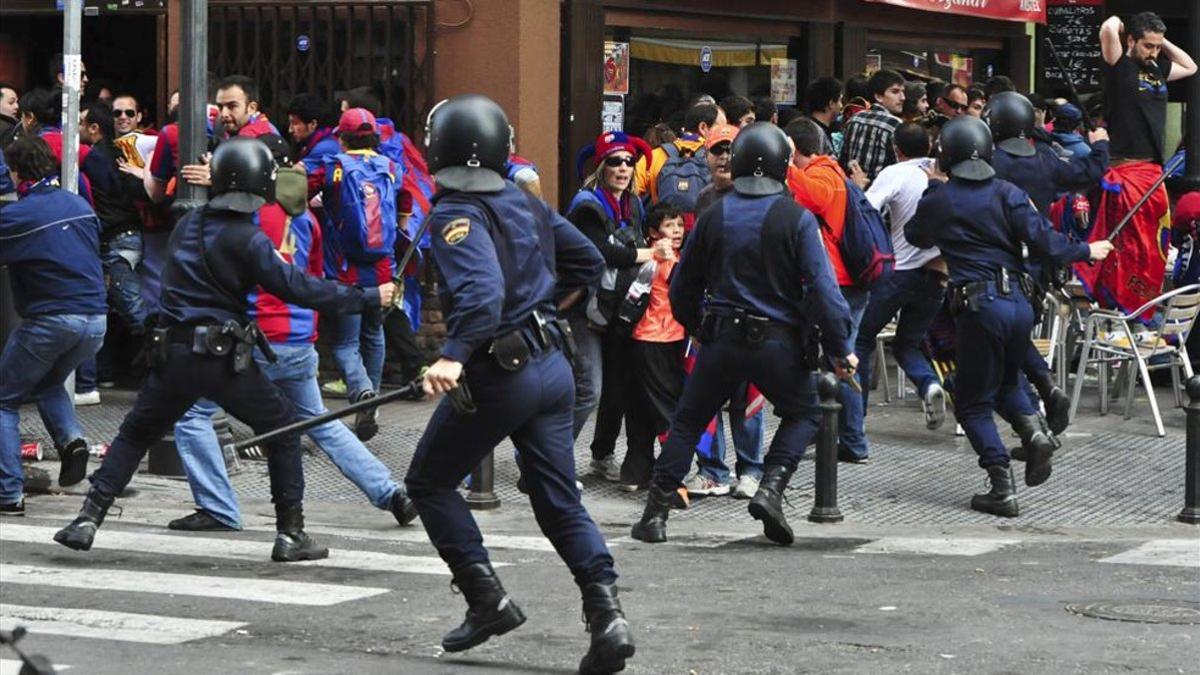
<point x="202" y="294"/>
<point x="759" y="260"/>
<point x="979" y="227"/>
<point x="498" y="255"/>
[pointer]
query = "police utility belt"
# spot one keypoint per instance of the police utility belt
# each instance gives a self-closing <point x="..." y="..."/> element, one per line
<point x="536" y="334"/>
<point x="752" y="330"/>
<point x="230" y="339"/>
<point x="969" y="297"/>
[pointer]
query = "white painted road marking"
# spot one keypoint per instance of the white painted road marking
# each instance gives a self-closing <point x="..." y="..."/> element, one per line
<point x="1175" y="552"/>
<point x="13" y="667"/>
<point x="104" y="625"/>
<point x="233" y="588"/>
<point x="231" y="549"/>
<point x="935" y="545"/>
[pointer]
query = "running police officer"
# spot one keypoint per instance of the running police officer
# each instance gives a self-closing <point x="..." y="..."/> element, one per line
<point x="757" y="257"/>
<point x="1035" y="168"/>
<point x="979" y="223"/>
<point x="204" y="345"/>
<point x="498" y="251"/>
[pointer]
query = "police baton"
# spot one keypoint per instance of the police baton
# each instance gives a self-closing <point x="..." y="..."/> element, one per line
<point x="1167" y="171"/>
<point x="398" y="278"/>
<point x="460" y="398"/>
<point x="1066" y="76"/>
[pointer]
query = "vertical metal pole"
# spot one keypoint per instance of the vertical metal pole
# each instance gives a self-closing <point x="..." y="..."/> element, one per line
<point x="825" y="508"/>
<point x="193" y="99"/>
<point x="483" y="485"/>
<point x="72" y="28"/>
<point x="1191" y="485"/>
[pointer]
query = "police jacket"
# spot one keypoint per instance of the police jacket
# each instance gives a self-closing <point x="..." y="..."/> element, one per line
<point x="1043" y="175"/>
<point x="979" y="227"/>
<point x="50" y="239"/>
<point x="763" y="255"/>
<point x="498" y="255"/>
<point x="217" y="257"/>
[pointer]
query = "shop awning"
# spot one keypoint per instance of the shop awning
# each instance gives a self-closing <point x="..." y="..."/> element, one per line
<point x="687" y="52"/>
<point x="1005" y="10"/>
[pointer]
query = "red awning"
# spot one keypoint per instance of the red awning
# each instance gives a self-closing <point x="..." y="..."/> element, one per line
<point x="1005" y="10"/>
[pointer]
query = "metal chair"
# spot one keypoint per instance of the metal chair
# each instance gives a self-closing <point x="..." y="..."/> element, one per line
<point x="1109" y="339"/>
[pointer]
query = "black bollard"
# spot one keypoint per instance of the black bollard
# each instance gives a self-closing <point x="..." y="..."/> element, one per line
<point x="825" y="509"/>
<point x="1191" y="485"/>
<point x="483" y="483"/>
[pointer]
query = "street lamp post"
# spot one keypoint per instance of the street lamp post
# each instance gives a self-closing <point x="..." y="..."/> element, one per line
<point x="193" y="139"/>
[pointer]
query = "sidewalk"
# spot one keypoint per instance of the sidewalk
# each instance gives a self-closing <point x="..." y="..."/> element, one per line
<point x="1110" y="473"/>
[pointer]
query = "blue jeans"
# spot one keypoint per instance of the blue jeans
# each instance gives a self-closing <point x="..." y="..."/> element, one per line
<point x="121" y="257"/>
<point x="203" y="462"/>
<point x="36" y="361"/>
<point x="85" y="376"/>
<point x="358" y="351"/>
<point x="295" y="374"/>
<point x="747" y="433"/>
<point x="850" y="435"/>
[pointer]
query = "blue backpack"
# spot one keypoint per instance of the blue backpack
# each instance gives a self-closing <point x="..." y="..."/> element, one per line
<point x="866" y="244"/>
<point x="364" y="217"/>
<point x="682" y="178"/>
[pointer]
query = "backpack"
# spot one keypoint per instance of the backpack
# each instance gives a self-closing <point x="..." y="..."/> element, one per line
<point x="682" y="177"/>
<point x="866" y="244"/>
<point x="364" y="221"/>
<point x="398" y="147"/>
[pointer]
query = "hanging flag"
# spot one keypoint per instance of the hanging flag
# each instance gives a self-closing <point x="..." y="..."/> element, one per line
<point x="1005" y="10"/>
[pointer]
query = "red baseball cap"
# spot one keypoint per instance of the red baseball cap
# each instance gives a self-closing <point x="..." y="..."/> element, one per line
<point x="357" y="122"/>
<point x="1187" y="209"/>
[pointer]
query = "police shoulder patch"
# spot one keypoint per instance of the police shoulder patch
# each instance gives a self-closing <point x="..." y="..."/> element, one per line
<point x="456" y="230"/>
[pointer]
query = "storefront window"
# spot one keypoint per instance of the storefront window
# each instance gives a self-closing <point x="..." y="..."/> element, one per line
<point x="961" y="66"/>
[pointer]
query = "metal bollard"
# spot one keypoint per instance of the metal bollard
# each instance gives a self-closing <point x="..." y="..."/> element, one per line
<point x="825" y="508"/>
<point x="1191" y="482"/>
<point x="483" y="483"/>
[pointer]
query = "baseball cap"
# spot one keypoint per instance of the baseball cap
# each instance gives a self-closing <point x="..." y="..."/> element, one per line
<point x="720" y="134"/>
<point x="357" y="122"/>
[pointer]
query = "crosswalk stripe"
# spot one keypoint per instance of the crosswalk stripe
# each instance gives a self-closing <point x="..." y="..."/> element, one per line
<point x="105" y="625"/>
<point x="935" y="545"/>
<point x="1175" y="552"/>
<point x="13" y="667"/>
<point x="234" y="588"/>
<point x="231" y="549"/>
<point x="500" y="541"/>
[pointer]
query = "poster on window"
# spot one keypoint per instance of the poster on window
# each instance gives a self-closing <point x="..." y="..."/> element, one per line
<point x="783" y="81"/>
<point x="616" y="67"/>
<point x="612" y="114"/>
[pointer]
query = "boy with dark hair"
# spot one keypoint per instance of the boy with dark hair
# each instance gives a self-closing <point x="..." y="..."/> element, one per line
<point x="764" y="109"/>
<point x="976" y="101"/>
<point x="739" y="110"/>
<point x="868" y="135"/>
<point x="823" y="104"/>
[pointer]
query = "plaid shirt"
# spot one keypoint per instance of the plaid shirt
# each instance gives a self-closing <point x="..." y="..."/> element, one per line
<point x="868" y="139"/>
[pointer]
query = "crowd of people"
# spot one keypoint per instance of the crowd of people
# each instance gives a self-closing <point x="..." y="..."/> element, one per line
<point x="940" y="208"/>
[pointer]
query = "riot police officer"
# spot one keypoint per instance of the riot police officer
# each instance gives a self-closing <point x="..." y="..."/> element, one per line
<point x="498" y="251"/>
<point x="758" y="258"/>
<point x="203" y="347"/>
<point x="1035" y="168"/>
<point x="979" y="222"/>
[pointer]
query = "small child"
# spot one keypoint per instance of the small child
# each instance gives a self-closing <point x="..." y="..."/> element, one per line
<point x="658" y="343"/>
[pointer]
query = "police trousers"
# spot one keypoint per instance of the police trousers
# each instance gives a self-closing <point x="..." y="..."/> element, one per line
<point x="776" y="367"/>
<point x="993" y="342"/>
<point x="172" y="388"/>
<point x="532" y="407"/>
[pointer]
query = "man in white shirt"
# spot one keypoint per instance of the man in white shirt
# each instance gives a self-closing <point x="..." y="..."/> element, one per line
<point x="917" y="287"/>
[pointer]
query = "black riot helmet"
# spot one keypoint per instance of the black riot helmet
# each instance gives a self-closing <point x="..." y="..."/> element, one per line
<point x="759" y="159"/>
<point x="1010" y="115"/>
<point x="468" y="139"/>
<point x="965" y="149"/>
<point x="243" y="175"/>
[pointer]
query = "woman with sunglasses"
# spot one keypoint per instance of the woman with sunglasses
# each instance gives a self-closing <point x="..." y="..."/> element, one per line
<point x="608" y="212"/>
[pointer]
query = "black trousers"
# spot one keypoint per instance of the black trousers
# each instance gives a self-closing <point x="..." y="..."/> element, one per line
<point x="654" y="388"/>
<point x="400" y="341"/>
<point x="173" y="388"/>
<point x="617" y="361"/>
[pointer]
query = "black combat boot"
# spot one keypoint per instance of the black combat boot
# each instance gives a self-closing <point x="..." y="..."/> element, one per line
<point x="612" y="641"/>
<point x="291" y="543"/>
<point x="1037" y="447"/>
<point x="1001" y="500"/>
<point x="652" y="528"/>
<point x="489" y="609"/>
<point x="402" y="508"/>
<point x="80" y="533"/>
<point x="1058" y="404"/>
<point x="767" y="504"/>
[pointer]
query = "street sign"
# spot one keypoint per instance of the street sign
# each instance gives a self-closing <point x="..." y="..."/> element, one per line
<point x="302" y="43"/>
<point x="706" y="59"/>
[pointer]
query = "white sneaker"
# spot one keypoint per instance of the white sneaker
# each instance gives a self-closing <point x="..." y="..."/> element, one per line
<point x="747" y="485"/>
<point x="934" y="405"/>
<point x="702" y="485"/>
<point x="607" y="468"/>
<point x="90" y="398"/>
